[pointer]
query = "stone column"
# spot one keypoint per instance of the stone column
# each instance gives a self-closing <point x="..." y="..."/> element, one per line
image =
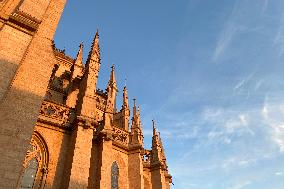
<point x="158" y="178"/>
<point x="106" y="162"/>
<point x="135" y="170"/>
<point x="82" y="156"/>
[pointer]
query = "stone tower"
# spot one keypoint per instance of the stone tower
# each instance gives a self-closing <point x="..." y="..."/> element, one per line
<point x="58" y="130"/>
<point x="27" y="28"/>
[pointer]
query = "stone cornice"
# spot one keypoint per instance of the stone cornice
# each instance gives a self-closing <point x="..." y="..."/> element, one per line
<point x="22" y="21"/>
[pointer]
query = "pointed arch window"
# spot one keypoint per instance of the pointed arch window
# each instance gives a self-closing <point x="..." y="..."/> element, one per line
<point x="35" y="165"/>
<point x="114" y="175"/>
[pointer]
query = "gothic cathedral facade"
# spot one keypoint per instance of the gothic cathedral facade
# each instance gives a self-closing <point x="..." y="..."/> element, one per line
<point x="57" y="130"/>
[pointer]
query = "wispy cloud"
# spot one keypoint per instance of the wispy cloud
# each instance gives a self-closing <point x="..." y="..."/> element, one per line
<point x="243" y="81"/>
<point x="240" y="185"/>
<point x="273" y="117"/>
<point x="278" y="41"/>
<point x="231" y="28"/>
<point x="225" y="39"/>
<point x="279" y="173"/>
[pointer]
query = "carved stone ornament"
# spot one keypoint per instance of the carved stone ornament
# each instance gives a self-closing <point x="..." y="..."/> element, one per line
<point x="55" y="114"/>
<point x="120" y="136"/>
<point x="54" y="111"/>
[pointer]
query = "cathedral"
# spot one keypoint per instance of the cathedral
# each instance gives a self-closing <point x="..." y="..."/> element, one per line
<point x="57" y="129"/>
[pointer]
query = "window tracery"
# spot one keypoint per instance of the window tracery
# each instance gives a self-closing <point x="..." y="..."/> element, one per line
<point x="34" y="165"/>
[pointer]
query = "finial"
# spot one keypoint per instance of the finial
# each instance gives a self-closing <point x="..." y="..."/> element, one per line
<point x="96" y="39"/>
<point x="112" y="67"/>
<point x="154" y="128"/>
<point x="134" y="101"/>
<point x="134" y="107"/>
<point x="125" y="98"/>
<point x="125" y="81"/>
<point x="112" y="80"/>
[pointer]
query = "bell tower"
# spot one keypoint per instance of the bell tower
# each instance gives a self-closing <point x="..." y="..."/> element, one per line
<point x="27" y="28"/>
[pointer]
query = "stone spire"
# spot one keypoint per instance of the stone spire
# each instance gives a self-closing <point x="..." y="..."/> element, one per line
<point x="79" y="58"/>
<point x="163" y="156"/>
<point x="125" y="104"/>
<point x="136" y="127"/>
<point x="125" y="109"/>
<point x="134" y="107"/>
<point x="111" y="91"/>
<point x="136" y="122"/>
<point x="94" y="59"/>
<point x="156" y="157"/>
<point x="155" y="133"/>
<point x="77" y="67"/>
<point x="110" y="108"/>
<point x="112" y="80"/>
<point x="89" y="81"/>
<point x="155" y="137"/>
<point x="95" y="53"/>
<point x="159" y="170"/>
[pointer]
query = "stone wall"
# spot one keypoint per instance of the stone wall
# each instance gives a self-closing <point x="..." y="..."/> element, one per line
<point x="58" y="148"/>
<point x="19" y="107"/>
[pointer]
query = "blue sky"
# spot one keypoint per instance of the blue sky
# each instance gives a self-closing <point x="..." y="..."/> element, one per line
<point x="209" y="72"/>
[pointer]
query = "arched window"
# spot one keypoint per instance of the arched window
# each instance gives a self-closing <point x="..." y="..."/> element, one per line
<point x="35" y="165"/>
<point x="114" y="175"/>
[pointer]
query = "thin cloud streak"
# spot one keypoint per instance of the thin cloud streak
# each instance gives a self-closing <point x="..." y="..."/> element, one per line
<point x="240" y="185"/>
<point x="278" y="41"/>
<point x="224" y="41"/>
<point x="228" y="33"/>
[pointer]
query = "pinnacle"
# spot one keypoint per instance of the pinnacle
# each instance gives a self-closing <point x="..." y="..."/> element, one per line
<point x="112" y="80"/>
<point x="94" y="53"/>
<point x="154" y="128"/>
<point x="125" y="98"/>
<point x="79" y="58"/>
<point x="125" y="89"/>
<point x="134" y="107"/>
